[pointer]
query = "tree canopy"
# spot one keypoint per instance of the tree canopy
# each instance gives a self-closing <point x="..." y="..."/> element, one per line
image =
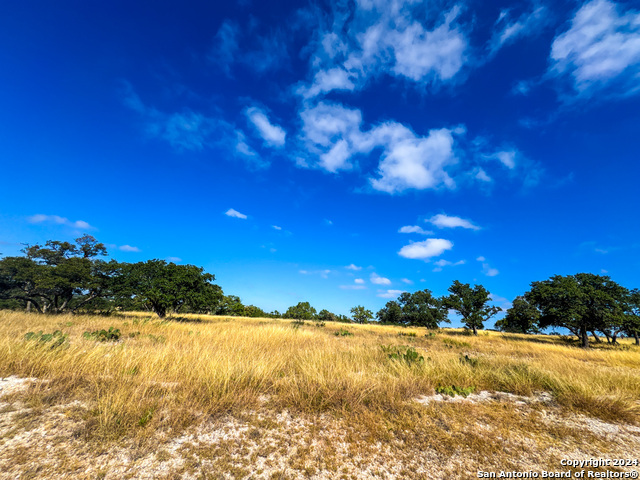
<point x="472" y="304"/>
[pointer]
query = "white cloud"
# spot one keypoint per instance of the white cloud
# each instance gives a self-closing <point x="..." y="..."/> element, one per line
<point x="389" y="293"/>
<point x="432" y="247"/>
<point x="407" y="281"/>
<point x="414" y="229"/>
<point x="334" y="134"/>
<point x="507" y="31"/>
<point x="327" y="80"/>
<point x="353" y="287"/>
<point x="173" y="259"/>
<point x="128" y="248"/>
<point x="235" y="214"/>
<point x="412" y="162"/>
<point x="507" y="158"/>
<point x="276" y="227"/>
<point x="58" y="220"/>
<point x="226" y="45"/>
<point x="486" y="268"/>
<point x="359" y="280"/>
<point x="393" y="38"/>
<point x="353" y="267"/>
<point x="446" y="263"/>
<point x="446" y="221"/>
<point x="242" y="147"/>
<point x="273" y="135"/>
<point x="601" y="49"/>
<point x="440" y="264"/>
<point x="488" y="271"/>
<point x="378" y="280"/>
<point x="481" y="175"/>
<point x="322" y="273"/>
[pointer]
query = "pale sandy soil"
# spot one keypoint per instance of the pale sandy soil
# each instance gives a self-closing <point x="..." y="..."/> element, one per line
<point x="50" y="443"/>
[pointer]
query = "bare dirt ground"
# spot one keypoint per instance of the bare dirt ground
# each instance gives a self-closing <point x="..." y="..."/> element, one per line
<point x="51" y="442"/>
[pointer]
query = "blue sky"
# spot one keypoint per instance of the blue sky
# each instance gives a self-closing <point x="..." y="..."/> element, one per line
<point x="332" y="152"/>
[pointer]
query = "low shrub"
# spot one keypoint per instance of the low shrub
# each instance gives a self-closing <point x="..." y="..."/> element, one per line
<point x="454" y="390"/>
<point x="55" y="339"/>
<point x="403" y="353"/>
<point x="111" y="335"/>
<point x="343" y="333"/>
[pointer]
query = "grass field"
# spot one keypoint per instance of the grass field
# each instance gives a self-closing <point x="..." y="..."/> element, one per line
<point x="338" y="395"/>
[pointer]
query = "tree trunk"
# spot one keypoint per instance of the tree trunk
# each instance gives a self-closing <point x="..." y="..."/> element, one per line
<point x="596" y="338"/>
<point x="637" y="337"/>
<point x="614" y="338"/>
<point x="475" y="332"/>
<point x="28" y="306"/>
<point x="585" y="337"/>
<point x="607" y="335"/>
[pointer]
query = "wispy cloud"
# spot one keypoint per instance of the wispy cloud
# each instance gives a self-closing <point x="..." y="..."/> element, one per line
<point x="600" y="51"/>
<point x="58" y="220"/>
<point x="378" y="280"/>
<point x="446" y="221"/>
<point x="440" y="264"/>
<point x="432" y="247"/>
<point x="390" y="38"/>
<point x="233" y="45"/>
<point x="323" y="273"/>
<point x="486" y="268"/>
<point x="407" y="281"/>
<point x="173" y="259"/>
<point x="414" y="229"/>
<point x="276" y="227"/>
<point x="128" y="248"/>
<point x="273" y="135"/>
<point x="353" y="287"/>
<point x="507" y="30"/>
<point x="359" y="281"/>
<point x="235" y="214"/>
<point x="389" y="293"/>
<point x="353" y="267"/>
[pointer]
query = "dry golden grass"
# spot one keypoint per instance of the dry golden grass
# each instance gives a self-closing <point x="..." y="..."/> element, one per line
<point x="172" y="372"/>
<point x="168" y="376"/>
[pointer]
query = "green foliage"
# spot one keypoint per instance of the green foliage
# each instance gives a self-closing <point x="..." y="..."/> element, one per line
<point x="57" y="277"/>
<point x="301" y="311"/>
<point x="111" y="335"/>
<point x="56" y="338"/>
<point x="319" y="324"/>
<point x="361" y="314"/>
<point x="146" y="417"/>
<point x="343" y="333"/>
<point x="471" y="303"/>
<point x="454" y="390"/>
<point x="403" y="353"/>
<point x="407" y="334"/>
<point x="162" y="287"/>
<point x="522" y="317"/>
<point x="581" y="303"/>
<point x="467" y="360"/>
<point x="390" y="314"/>
<point x="418" y="309"/>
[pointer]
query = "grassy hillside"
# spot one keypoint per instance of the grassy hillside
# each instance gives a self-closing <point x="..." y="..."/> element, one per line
<point x="167" y="377"/>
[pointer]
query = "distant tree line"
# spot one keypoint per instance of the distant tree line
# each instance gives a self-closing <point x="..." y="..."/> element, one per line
<point x="64" y="277"/>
